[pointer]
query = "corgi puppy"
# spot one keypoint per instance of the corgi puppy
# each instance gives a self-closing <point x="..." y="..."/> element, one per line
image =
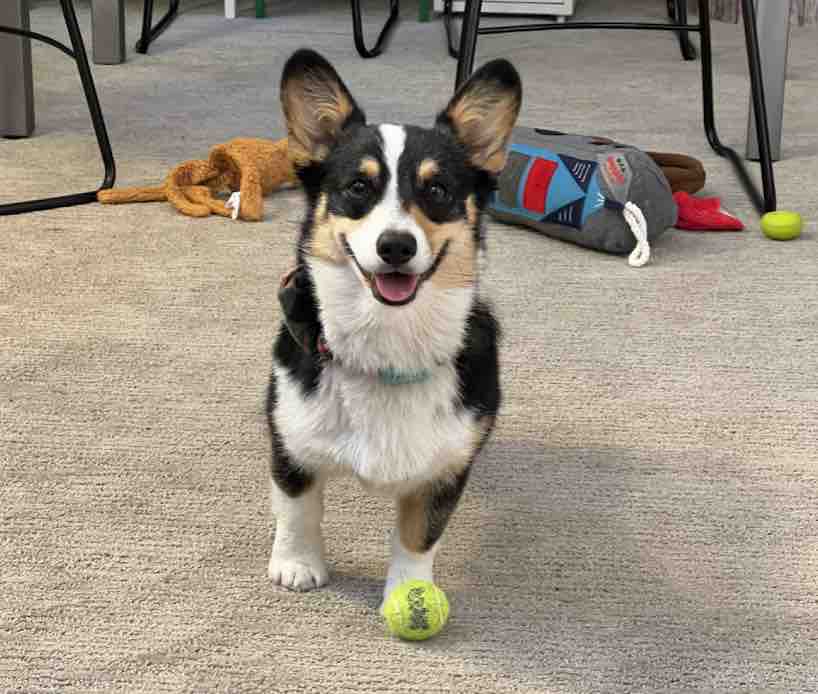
<point x="385" y="366"/>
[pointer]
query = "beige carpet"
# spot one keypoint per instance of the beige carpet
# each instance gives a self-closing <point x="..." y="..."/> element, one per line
<point x="645" y="519"/>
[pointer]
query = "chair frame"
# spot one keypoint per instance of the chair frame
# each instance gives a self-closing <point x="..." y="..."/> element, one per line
<point x="764" y="200"/>
<point x="386" y="32"/>
<point x="151" y="32"/>
<point x="77" y="52"/>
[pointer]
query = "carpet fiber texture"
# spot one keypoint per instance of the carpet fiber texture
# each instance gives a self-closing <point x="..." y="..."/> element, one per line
<point x="644" y="520"/>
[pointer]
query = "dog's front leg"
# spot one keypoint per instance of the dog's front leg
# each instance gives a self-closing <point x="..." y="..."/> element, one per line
<point x="422" y="518"/>
<point x="297" y="500"/>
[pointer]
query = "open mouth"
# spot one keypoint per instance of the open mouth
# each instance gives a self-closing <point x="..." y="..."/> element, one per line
<point x="395" y="288"/>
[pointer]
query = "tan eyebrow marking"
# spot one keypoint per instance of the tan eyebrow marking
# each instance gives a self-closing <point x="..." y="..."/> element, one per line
<point x="427" y="169"/>
<point x="370" y="167"/>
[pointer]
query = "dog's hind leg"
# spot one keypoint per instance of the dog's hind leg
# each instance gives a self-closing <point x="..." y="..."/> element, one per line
<point x="297" y="500"/>
<point x="422" y="518"/>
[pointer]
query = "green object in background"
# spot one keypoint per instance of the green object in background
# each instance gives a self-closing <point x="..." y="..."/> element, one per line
<point x="425" y="11"/>
<point x="261" y="10"/>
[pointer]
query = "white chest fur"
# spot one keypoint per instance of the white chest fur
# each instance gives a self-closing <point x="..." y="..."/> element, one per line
<point x="387" y="435"/>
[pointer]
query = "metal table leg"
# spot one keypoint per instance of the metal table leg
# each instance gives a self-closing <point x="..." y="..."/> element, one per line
<point x="77" y="52"/>
<point x="468" y="41"/>
<point x="108" y="31"/>
<point x="448" y="25"/>
<point x="17" y="104"/>
<point x="773" y="39"/>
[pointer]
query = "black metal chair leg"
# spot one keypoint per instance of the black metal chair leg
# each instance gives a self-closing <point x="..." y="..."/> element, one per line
<point x="383" y="37"/>
<point x="149" y="32"/>
<point x="759" y="105"/>
<point x="767" y="201"/>
<point x="468" y="41"/>
<point x="677" y="11"/>
<point x="79" y="55"/>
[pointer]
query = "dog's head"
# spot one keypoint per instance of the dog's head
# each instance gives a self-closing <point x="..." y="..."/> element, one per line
<point x="395" y="211"/>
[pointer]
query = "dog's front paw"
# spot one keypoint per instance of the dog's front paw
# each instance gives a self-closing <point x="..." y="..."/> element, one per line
<point x="298" y="573"/>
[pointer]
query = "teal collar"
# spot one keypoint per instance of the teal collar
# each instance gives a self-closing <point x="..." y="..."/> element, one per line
<point x="391" y="376"/>
<point x="388" y="375"/>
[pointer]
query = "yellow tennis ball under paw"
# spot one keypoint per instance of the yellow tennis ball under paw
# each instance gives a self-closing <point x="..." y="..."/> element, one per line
<point x="415" y="610"/>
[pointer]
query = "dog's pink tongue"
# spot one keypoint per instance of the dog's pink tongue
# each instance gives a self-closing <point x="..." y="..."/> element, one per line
<point x="395" y="286"/>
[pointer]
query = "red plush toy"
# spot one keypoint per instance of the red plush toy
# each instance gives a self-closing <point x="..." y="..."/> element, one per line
<point x="703" y="214"/>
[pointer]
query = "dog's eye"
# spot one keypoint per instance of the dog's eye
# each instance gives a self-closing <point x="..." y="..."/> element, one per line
<point x="358" y="188"/>
<point x="437" y="193"/>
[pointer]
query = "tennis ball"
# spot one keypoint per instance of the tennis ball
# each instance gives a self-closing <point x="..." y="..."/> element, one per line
<point x="415" y="610"/>
<point x="781" y="225"/>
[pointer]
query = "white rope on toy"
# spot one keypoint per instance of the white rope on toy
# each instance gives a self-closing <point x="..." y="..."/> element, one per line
<point x="636" y="221"/>
<point x="234" y="203"/>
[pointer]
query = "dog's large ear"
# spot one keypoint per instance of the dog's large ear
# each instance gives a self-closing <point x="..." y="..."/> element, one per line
<point x="482" y="113"/>
<point x="317" y="106"/>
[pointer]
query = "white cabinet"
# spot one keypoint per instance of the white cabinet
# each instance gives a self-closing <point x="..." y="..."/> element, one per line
<point x="558" y="8"/>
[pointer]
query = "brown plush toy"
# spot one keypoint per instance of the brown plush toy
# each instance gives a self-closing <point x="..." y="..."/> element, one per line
<point x="681" y="171"/>
<point x="248" y="166"/>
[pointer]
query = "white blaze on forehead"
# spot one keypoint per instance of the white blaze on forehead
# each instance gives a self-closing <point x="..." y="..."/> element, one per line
<point x="388" y="213"/>
<point x="394" y="140"/>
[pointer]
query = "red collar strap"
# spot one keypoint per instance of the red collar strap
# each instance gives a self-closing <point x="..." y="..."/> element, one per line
<point x="323" y="347"/>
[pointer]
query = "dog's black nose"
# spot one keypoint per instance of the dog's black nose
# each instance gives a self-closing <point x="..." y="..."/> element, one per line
<point x="397" y="247"/>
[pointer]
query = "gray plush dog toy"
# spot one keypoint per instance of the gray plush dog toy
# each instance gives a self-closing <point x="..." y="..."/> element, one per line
<point x="590" y="191"/>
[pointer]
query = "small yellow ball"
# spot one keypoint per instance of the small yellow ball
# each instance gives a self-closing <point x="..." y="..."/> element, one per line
<point x="415" y="610"/>
<point x="781" y="225"/>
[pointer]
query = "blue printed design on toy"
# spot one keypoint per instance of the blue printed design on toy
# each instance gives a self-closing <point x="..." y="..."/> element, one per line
<point x="555" y="188"/>
<point x="563" y="190"/>
<point x="581" y="169"/>
<point x="594" y="199"/>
